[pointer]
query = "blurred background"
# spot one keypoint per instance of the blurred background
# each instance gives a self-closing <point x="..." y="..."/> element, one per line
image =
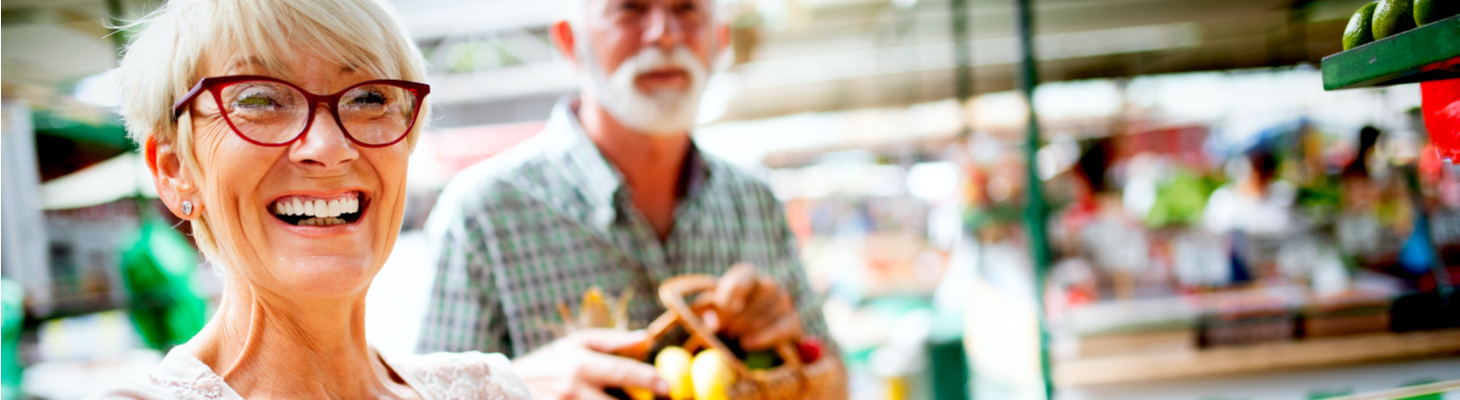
<point x="1213" y="224"/>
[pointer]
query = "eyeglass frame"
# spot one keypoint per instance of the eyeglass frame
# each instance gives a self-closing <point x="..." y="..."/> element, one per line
<point x="420" y="90"/>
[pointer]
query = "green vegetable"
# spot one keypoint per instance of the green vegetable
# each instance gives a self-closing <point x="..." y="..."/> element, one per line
<point x="1427" y="11"/>
<point x="763" y="359"/>
<point x="1392" y="17"/>
<point x="1359" y="29"/>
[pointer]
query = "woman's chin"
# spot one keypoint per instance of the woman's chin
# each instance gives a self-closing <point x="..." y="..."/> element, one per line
<point x="323" y="261"/>
<point x="327" y="276"/>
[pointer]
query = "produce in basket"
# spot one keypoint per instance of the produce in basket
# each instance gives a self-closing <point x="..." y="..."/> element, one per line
<point x="673" y="364"/>
<point x="810" y="349"/>
<point x="712" y="376"/>
<point x="595" y="312"/>
<point x="724" y="370"/>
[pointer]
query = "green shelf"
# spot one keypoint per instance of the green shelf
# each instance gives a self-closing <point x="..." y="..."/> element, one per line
<point x="1426" y="53"/>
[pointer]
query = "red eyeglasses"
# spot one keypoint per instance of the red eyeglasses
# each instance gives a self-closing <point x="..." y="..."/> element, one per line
<point x="270" y="112"/>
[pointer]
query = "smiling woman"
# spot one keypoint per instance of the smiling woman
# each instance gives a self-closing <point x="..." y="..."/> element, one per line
<point x="281" y="130"/>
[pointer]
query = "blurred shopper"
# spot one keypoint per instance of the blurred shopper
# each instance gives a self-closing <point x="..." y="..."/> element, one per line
<point x="1256" y="212"/>
<point x="1371" y="205"/>
<point x="288" y="157"/>
<point x="612" y="194"/>
<point x="1256" y="203"/>
<point x="1358" y="168"/>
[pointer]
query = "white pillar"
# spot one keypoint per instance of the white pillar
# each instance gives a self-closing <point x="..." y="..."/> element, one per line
<point x="25" y="247"/>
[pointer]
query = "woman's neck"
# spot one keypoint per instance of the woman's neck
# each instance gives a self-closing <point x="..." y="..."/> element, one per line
<point x="270" y="346"/>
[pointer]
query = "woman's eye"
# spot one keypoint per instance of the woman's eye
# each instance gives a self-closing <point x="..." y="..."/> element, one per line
<point x="254" y="100"/>
<point x="368" y="98"/>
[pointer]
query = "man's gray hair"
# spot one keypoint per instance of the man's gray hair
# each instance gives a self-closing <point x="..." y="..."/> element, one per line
<point x="575" y="11"/>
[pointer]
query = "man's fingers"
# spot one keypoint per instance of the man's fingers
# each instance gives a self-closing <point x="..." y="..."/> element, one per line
<point x="712" y="320"/>
<point x="612" y="341"/>
<point x="612" y="371"/>
<point x="767" y="304"/>
<point x="590" y="393"/>
<point x="788" y="328"/>
<point x="734" y="286"/>
<point x="761" y="309"/>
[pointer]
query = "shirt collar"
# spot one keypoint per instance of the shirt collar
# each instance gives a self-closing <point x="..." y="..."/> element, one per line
<point x="596" y="182"/>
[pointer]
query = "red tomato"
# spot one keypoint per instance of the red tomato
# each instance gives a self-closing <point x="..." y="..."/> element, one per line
<point x="811" y="349"/>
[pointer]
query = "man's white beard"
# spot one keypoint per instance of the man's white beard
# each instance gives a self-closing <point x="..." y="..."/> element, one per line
<point x="660" y="112"/>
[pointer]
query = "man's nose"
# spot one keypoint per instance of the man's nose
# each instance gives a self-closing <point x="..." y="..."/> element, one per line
<point x="324" y="146"/>
<point x="663" y="29"/>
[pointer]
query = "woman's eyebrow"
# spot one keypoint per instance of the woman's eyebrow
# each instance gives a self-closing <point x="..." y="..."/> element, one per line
<point x="247" y="62"/>
<point x="255" y="65"/>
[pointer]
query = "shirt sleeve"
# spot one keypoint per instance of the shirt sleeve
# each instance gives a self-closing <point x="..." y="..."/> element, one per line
<point x="465" y="313"/>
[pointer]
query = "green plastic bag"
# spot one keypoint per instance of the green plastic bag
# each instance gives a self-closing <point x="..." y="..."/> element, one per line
<point x="14" y="314"/>
<point x="159" y="269"/>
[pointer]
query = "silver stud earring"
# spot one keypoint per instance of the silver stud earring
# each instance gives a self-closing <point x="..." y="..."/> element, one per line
<point x="187" y="207"/>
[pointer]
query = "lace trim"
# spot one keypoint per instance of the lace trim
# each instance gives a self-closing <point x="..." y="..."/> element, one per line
<point x="466" y="378"/>
<point x="206" y="388"/>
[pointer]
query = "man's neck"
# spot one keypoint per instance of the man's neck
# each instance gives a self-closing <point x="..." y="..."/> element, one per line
<point x="650" y="163"/>
<point x="270" y="346"/>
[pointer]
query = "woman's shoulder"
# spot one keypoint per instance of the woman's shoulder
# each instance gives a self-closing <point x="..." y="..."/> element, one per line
<point x="461" y="376"/>
<point x="178" y="376"/>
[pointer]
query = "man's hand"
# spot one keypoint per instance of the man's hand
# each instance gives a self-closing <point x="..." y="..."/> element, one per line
<point x="582" y="365"/>
<point x="753" y="308"/>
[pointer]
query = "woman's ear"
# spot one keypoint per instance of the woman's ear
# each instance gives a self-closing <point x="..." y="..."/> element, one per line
<point x="174" y="186"/>
<point x="562" y="35"/>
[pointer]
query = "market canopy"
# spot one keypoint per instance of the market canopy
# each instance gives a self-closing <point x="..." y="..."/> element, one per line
<point x="121" y="177"/>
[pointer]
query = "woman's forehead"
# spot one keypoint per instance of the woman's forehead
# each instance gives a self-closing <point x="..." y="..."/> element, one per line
<point x="308" y="71"/>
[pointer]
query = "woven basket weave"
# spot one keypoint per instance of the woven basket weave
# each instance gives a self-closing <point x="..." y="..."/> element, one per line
<point x="819" y="380"/>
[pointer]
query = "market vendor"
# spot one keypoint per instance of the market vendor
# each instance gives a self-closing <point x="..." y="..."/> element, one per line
<point x="612" y="194"/>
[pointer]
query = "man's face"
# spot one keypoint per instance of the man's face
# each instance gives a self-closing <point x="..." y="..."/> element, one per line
<point x="647" y="61"/>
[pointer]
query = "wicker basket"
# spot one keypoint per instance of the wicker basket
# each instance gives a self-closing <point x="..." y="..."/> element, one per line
<point x="820" y="380"/>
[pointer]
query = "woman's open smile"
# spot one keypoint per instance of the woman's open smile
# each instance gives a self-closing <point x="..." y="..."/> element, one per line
<point x="317" y="209"/>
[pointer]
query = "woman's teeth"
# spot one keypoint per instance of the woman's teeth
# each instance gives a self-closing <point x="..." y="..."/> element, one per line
<point x="326" y="221"/>
<point x="316" y="212"/>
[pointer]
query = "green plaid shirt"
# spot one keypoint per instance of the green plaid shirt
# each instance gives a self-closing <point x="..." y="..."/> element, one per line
<point x="541" y="223"/>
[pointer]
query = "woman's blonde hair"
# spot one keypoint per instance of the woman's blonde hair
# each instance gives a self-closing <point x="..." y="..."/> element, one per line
<point x="168" y="56"/>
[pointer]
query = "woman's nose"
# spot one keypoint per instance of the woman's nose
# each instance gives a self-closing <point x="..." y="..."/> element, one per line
<point x="324" y="145"/>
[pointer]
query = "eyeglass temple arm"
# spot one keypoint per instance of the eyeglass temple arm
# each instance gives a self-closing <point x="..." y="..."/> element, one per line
<point x="180" y="105"/>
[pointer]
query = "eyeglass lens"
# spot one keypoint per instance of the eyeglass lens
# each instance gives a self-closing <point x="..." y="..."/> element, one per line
<point x="272" y="112"/>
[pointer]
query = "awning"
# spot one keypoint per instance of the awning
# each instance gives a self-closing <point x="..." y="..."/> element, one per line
<point x="120" y="177"/>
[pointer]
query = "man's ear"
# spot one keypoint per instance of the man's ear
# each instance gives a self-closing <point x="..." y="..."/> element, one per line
<point x="563" y="40"/>
<point x="722" y="38"/>
<point x="173" y="184"/>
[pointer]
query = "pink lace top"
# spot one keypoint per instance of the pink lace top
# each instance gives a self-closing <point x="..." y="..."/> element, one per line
<point x="436" y="376"/>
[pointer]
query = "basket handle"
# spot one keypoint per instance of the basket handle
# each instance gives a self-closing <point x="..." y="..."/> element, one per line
<point x="672" y="292"/>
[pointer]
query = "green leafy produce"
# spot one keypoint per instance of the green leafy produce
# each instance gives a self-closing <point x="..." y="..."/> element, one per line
<point x="1427" y="11"/>
<point x="1181" y="200"/>
<point x="762" y="359"/>
<point x="1359" y="29"/>
<point x="1392" y="17"/>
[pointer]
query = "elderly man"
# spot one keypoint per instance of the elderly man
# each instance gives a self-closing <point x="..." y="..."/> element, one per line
<point x="612" y="194"/>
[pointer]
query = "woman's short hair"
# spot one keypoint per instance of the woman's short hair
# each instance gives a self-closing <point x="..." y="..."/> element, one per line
<point x="170" y="52"/>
